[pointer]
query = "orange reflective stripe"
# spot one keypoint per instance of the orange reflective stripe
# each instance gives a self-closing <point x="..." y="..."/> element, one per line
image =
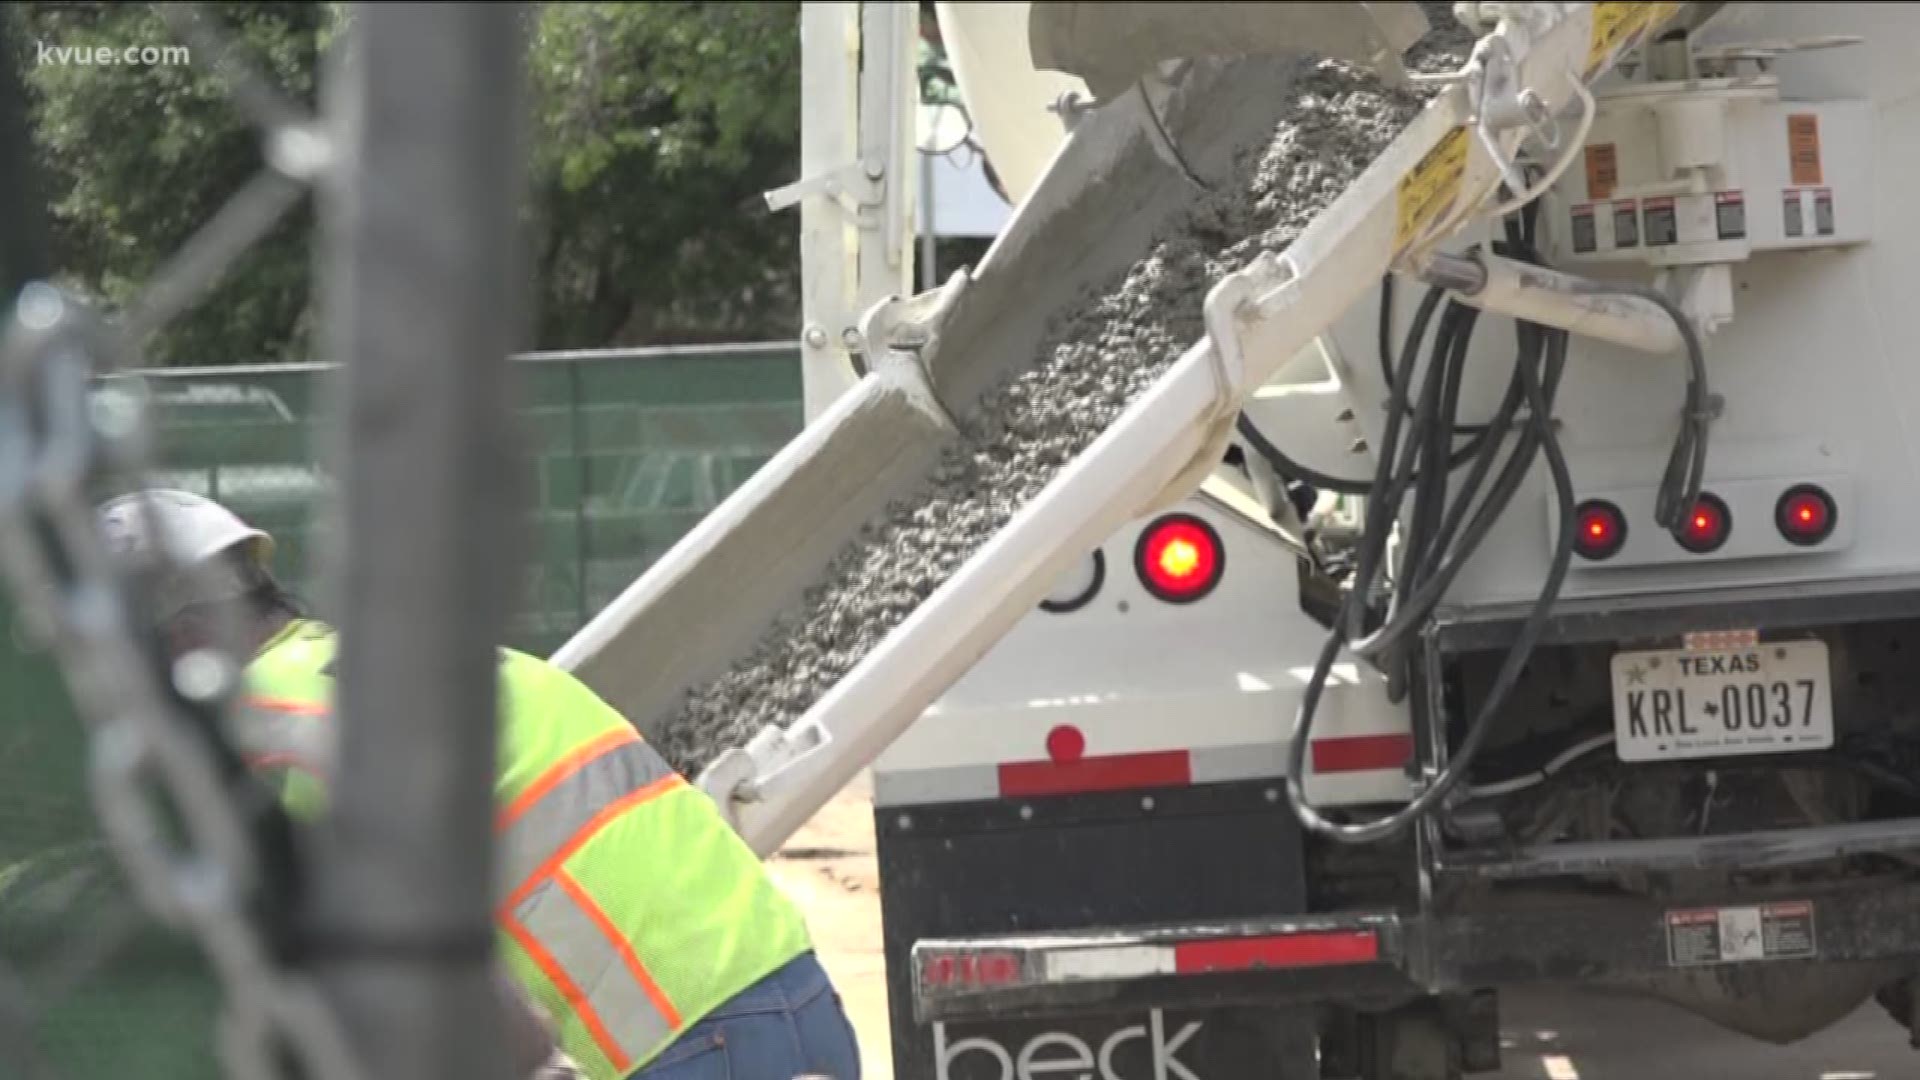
<point x="621" y="948"/>
<point x="279" y="730"/>
<point x="562" y="769"/>
<point x="560" y="925"/>
<point x="281" y="761"/>
<point x="576" y="997"/>
<point x="599" y="821"/>
<point x="574" y="794"/>
<point x="287" y="705"/>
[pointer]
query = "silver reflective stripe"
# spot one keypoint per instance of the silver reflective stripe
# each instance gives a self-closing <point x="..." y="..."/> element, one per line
<point x="570" y="936"/>
<point x="570" y="805"/>
<point x="261" y="731"/>
<point x="954" y="783"/>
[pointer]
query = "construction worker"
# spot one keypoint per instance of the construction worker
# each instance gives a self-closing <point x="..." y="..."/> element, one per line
<point x="649" y="935"/>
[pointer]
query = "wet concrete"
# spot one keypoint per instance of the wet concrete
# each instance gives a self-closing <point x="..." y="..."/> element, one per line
<point x="1098" y="356"/>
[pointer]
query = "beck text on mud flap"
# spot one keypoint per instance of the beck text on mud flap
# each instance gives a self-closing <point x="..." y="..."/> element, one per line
<point x="1059" y="1054"/>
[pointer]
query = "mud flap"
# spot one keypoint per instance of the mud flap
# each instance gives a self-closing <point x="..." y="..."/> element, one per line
<point x="1415" y="1042"/>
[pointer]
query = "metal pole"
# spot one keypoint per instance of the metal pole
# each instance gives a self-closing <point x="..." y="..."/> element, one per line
<point x="929" y="239"/>
<point x="577" y="430"/>
<point x="829" y="140"/>
<point x="24" y="256"/>
<point x="425" y="269"/>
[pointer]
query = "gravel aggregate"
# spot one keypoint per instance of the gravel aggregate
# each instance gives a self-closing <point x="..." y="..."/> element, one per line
<point x="1098" y="355"/>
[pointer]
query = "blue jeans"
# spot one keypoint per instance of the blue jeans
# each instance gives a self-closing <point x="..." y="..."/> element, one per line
<point x="788" y="1024"/>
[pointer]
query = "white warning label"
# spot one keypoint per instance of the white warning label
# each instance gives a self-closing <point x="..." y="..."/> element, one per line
<point x="1734" y="935"/>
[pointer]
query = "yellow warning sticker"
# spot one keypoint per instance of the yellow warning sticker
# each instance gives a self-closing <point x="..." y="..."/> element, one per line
<point x="1430" y="188"/>
<point x="1803" y="149"/>
<point x="1603" y="170"/>
<point x="1615" y="23"/>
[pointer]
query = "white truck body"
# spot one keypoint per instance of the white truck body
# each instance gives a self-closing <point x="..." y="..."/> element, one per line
<point x="1087" y="813"/>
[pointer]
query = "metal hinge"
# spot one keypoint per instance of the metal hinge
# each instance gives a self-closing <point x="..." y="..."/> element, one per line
<point x="857" y="187"/>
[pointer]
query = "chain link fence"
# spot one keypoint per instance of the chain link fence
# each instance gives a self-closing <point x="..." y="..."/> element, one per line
<point x="160" y="914"/>
<point x="629" y="449"/>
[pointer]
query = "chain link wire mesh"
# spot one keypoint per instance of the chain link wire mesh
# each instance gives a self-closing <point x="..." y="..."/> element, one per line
<point x="139" y="869"/>
<point x="630" y="450"/>
<point x="130" y="852"/>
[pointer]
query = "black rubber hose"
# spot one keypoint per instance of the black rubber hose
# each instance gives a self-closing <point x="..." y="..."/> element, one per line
<point x="1503" y="419"/>
<point x="1426" y="594"/>
<point x="1384" y="344"/>
<point x="1539" y="401"/>
<point x="1294" y="470"/>
<point x="1435" y="416"/>
<point x="1388" y="483"/>
<point x="1287" y="466"/>
<point x="1424" y="543"/>
<point x="1432" y="564"/>
<point x="1687" y="466"/>
<point x="1431" y="558"/>
<point x="1449" y="358"/>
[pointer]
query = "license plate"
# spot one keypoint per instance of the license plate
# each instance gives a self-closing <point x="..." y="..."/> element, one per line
<point x="1765" y="699"/>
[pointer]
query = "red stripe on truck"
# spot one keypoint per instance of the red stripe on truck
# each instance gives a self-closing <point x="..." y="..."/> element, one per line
<point x="1362" y="753"/>
<point x="1115" y="772"/>
<point x="1281" y="951"/>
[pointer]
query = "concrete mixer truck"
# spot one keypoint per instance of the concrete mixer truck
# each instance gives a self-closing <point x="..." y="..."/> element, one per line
<point x="1419" y="501"/>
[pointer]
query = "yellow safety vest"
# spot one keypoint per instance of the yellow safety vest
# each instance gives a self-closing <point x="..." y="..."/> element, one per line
<point x="628" y="907"/>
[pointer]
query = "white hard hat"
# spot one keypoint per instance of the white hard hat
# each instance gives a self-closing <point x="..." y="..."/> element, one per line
<point x="194" y="527"/>
<point x="193" y="530"/>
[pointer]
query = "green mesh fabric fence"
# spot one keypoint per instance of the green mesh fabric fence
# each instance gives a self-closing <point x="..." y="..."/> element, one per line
<point x="629" y="450"/>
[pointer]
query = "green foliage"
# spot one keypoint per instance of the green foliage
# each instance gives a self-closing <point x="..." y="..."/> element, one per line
<point x="134" y="158"/>
<point x="655" y="127"/>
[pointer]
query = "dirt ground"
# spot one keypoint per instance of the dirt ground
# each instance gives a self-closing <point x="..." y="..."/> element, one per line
<point x="828" y="868"/>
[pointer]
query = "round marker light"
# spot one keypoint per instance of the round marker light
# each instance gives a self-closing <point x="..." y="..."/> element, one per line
<point x="1179" y="558"/>
<point x="1600" y="530"/>
<point x="1707" y="525"/>
<point x="1806" y="515"/>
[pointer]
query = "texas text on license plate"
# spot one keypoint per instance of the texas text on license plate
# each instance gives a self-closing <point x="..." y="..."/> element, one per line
<point x="1763" y="699"/>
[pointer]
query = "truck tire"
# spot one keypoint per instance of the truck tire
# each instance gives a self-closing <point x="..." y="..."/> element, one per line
<point x="1340" y="1045"/>
<point x="1294" y="1035"/>
<point x="1897" y="999"/>
<point x="1410" y="1043"/>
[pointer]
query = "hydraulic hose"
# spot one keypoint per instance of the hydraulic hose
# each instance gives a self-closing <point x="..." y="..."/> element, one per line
<point x="1539" y="399"/>
<point x="1434" y="555"/>
<point x="1687" y="467"/>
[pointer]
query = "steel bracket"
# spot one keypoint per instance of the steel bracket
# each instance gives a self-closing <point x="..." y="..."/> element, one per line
<point x="858" y="187"/>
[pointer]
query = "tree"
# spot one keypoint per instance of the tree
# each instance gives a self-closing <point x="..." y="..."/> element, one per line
<point x="135" y="158"/>
<point x="655" y="128"/>
<point x="659" y="126"/>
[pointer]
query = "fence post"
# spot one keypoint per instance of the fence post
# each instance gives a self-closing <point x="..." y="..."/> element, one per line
<point x="425" y="303"/>
<point x="577" y="427"/>
<point x="24" y="253"/>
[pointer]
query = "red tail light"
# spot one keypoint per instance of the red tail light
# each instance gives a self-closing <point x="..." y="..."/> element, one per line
<point x="1707" y="526"/>
<point x="1179" y="558"/>
<point x="974" y="968"/>
<point x="1600" y="530"/>
<point x="1806" y="515"/>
